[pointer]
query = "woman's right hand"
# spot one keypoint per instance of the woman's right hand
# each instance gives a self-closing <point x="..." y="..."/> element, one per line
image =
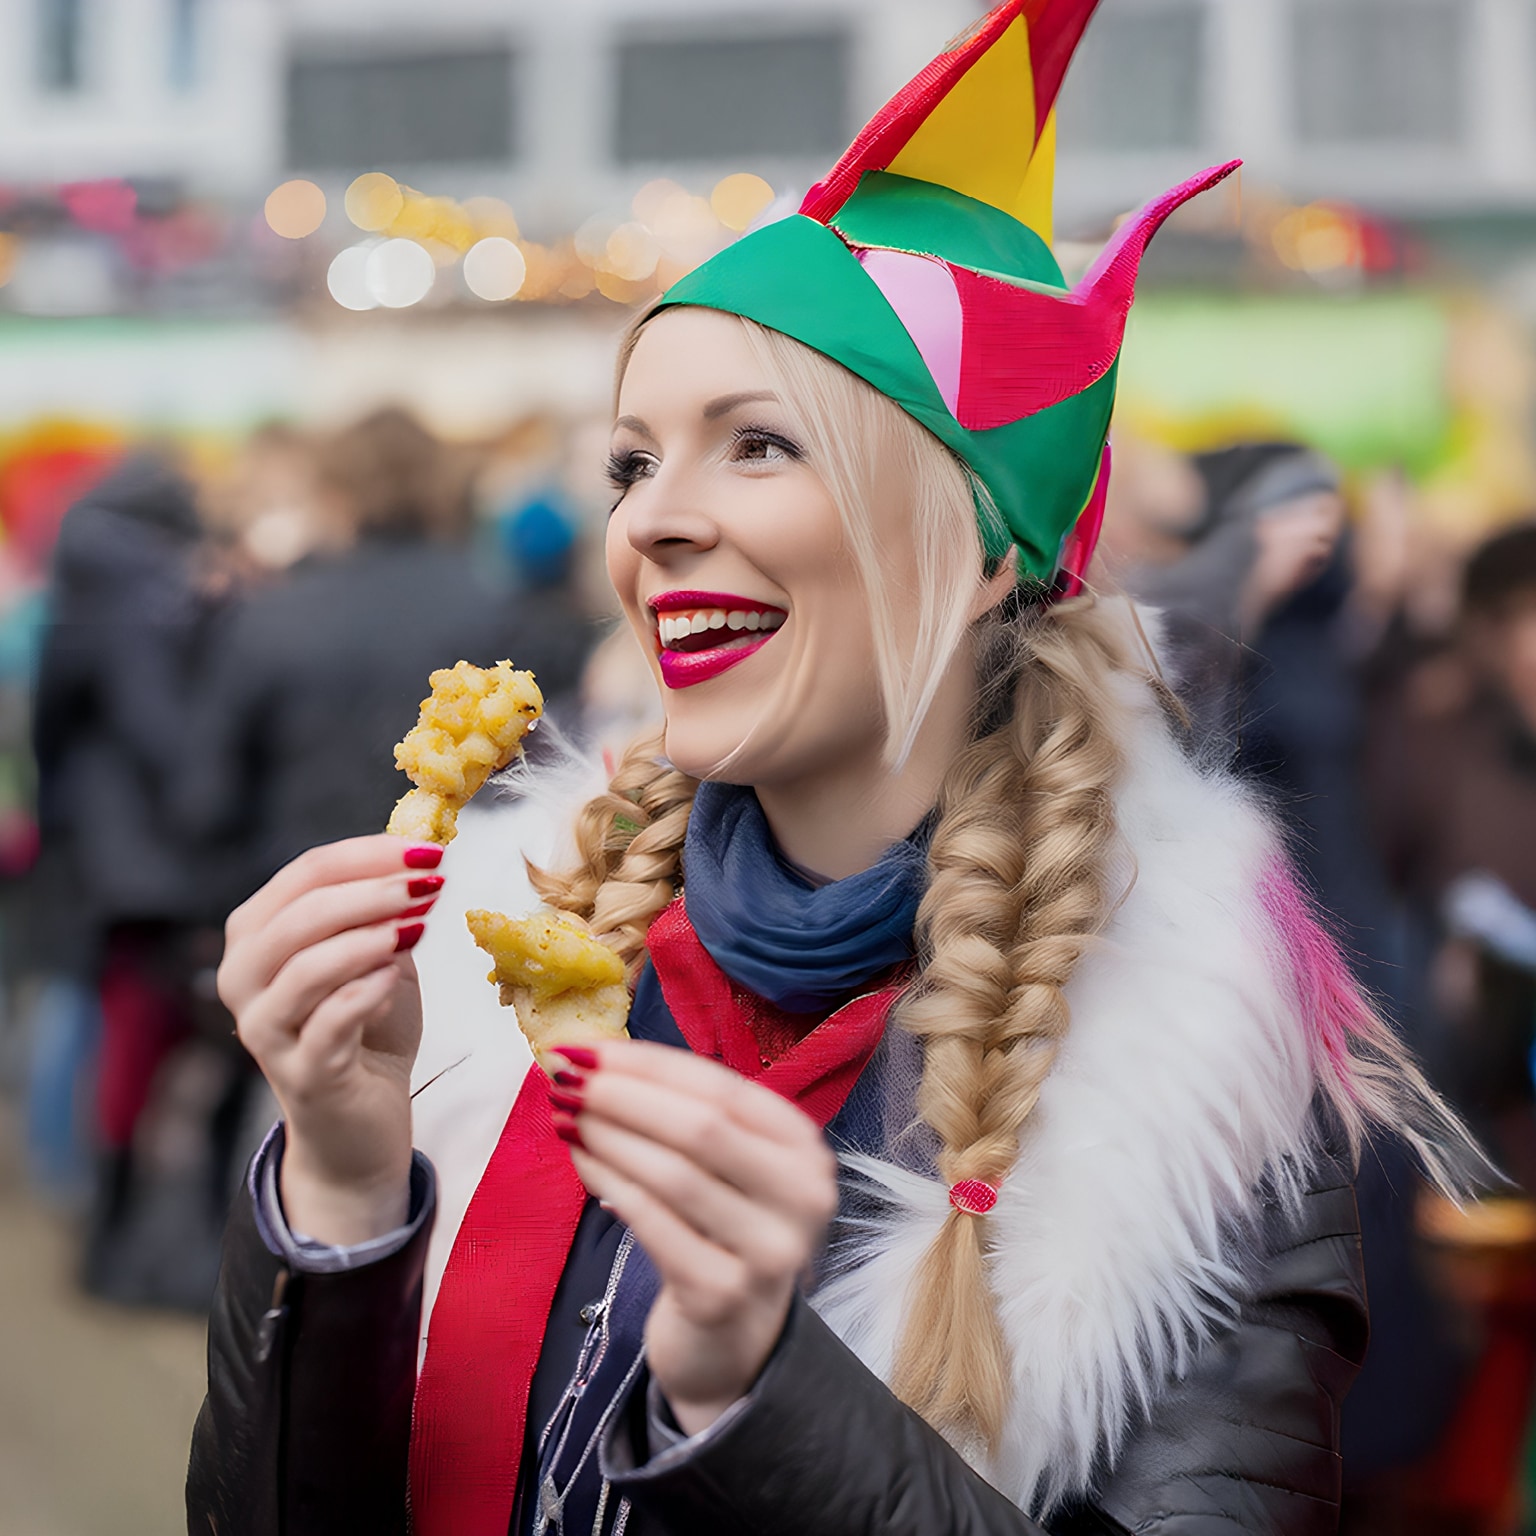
<point x="318" y="975"/>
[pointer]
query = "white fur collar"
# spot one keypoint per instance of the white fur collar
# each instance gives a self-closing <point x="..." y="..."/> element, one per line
<point x="1185" y="1076"/>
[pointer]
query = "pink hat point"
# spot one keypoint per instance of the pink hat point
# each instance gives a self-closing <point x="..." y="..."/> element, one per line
<point x="973" y="1197"/>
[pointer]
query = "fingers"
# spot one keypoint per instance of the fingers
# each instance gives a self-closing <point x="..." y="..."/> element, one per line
<point x="329" y="1040"/>
<point x="717" y="1132"/>
<point x="273" y="1018"/>
<point x="712" y="1280"/>
<point x="772" y="1238"/>
<point x="699" y="1079"/>
<point x="316" y="914"/>
<point x="358" y="858"/>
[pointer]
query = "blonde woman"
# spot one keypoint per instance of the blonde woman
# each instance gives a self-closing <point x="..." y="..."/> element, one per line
<point x="981" y="1162"/>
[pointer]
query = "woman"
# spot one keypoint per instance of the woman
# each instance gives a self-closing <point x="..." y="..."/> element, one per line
<point x="950" y="887"/>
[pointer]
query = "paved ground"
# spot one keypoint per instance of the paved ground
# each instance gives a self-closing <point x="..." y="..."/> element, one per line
<point x="96" y="1404"/>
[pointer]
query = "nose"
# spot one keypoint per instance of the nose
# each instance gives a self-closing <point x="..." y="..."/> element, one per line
<point x="668" y="516"/>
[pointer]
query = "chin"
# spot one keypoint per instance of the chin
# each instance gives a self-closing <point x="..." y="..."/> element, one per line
<point x="705" y="751"/>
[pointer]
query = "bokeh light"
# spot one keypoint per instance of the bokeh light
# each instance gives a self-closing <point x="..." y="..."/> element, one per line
<point x="400" y="273"/>
<point x="631" y="253"/>
<point x="1319" y="240"/>
<point x="591" y="239"/>
<point x="738" y="199"/>
<point x="491" y="216"/>
<point x="653" y="197"/>
<point x="374" y="200"/>
<point x="347" y="278"/>
<point x="295" y="209"/>
<point x="494" y="269"/>
<point x="687" y="228"/>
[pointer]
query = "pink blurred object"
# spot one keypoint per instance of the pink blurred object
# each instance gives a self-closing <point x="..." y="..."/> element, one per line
<point x="104" y="207"/>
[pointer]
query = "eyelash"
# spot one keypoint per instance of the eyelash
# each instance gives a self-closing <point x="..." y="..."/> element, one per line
<point x="626" y="469"/>
<point x="750" y="434"/>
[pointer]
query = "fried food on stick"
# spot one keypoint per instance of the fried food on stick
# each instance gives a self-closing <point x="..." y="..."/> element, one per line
<point x="567" y="987"/>
<point x="471" y="726"/>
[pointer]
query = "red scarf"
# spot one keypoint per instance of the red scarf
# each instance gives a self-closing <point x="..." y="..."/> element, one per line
<point x="487" y="1327"/>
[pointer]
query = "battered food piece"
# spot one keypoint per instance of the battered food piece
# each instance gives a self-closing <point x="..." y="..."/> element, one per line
<point x="565" y="986"/>
<point x="471" y="726"/>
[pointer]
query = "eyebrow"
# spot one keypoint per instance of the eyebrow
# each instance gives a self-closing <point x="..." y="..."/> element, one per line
<point x="721" y="405"/>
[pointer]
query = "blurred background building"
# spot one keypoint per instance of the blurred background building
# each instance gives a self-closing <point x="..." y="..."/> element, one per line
<point x="294" y="293"/>
<point x="181" y="168"/>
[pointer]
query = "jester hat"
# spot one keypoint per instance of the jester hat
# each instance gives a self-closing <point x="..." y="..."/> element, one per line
<point x="922" y="263"/>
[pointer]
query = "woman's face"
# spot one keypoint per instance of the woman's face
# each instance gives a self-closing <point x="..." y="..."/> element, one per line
<point x="729" y="557"/>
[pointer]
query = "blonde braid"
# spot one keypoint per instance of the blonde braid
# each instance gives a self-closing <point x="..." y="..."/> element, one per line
<point x="1018" y="889"/>
<point x="630" y="843"/>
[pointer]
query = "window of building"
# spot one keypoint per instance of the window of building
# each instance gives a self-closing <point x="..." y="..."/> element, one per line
<point x="61" y="44"/>
<point x="1138" y="82"/>
<point x="731" y="98"/>
<point x="1383" y="71"/>
<point x="425" y="108"/>
<point x="184" y="40"/>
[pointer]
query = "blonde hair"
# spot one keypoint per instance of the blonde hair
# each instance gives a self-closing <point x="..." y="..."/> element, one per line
<point x="1018" y="861"/>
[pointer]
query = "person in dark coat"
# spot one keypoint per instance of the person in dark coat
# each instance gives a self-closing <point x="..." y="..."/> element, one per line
<point x="1453" y="776"/>
<point x="1259" y="609"/>
<point x="121" y="886"/>
<point x="312" y="679"/>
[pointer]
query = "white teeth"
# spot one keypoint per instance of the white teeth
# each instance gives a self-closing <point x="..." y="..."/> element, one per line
<point x="671" y="627"/>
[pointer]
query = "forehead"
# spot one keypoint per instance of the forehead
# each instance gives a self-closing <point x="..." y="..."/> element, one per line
<point x="687" y="356"/>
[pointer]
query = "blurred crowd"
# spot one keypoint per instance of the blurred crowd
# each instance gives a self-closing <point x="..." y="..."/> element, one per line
<point x="1375" y="679"/>
<point x="203" y="670"/>
<point x="210" y="670"/>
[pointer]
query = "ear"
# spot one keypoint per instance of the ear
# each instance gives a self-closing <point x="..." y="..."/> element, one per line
<point x="997" y="586"/>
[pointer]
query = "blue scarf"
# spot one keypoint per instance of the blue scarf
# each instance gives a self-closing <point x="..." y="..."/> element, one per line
<point x="802" y="947"/>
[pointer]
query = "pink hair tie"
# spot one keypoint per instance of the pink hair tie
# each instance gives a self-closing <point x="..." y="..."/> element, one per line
<point x="973" y="1197"/>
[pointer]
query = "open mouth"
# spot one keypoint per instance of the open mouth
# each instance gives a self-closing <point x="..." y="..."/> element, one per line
<point x="702" y="634"/>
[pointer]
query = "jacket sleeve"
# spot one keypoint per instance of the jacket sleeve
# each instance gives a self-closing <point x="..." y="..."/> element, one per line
<point x="1249" y="1440"/>
<point x="1246" y="1442"/>
<point x="306" y="1427"/>
<point x="820" y="1448"/>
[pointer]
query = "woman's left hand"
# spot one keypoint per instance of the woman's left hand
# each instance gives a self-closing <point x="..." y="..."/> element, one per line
<point x="730" y="1190"/>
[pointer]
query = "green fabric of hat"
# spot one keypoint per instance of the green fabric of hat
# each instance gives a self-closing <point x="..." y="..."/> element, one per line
<point x="801" y="278"/>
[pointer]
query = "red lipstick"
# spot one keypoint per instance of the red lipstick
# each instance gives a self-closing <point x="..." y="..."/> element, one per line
<point x="725" y="630"/>
<point x="680" y="669"/>
<point x="670" y="602"/>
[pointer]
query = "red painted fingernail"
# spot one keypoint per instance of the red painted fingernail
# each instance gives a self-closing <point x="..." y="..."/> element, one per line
<point x="570" y="1079"/>
<point x="567" y="1132"/>
<point x="571" y="1103"/>
<point x="424" y="885"/>
<point x="577" y="1055"/>
<point x="423" y="856"/>
<point x="420" y="911"/>
<point x="409" y="936"/>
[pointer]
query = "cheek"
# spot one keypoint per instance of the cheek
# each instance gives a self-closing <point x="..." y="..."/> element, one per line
<point x="619" y="553"/>
<point x="624" y="576"/>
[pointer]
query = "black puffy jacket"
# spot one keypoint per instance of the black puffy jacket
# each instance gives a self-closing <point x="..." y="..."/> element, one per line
<point x="306" y="1428"/>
